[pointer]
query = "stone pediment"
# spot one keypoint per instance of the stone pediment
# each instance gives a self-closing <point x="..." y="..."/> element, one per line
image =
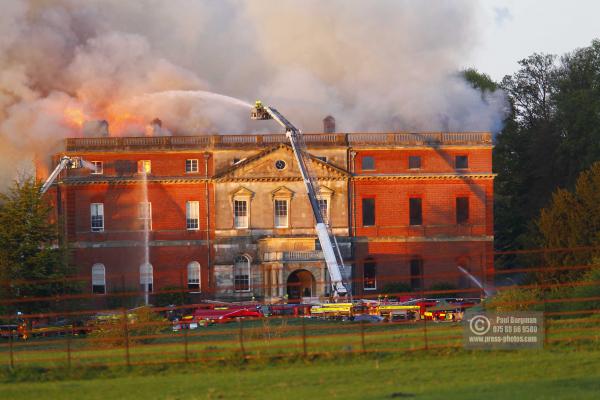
<point x="282" y="192"/>
<point x="242" y="192"/>
<point x="279" y="163"/>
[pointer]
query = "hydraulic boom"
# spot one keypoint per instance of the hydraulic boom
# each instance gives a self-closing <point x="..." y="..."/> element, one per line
<point x="65" y="162"/>
<point x="331" y="251"/>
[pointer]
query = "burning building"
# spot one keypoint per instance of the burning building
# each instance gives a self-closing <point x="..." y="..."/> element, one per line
<point x="227" y="216"/>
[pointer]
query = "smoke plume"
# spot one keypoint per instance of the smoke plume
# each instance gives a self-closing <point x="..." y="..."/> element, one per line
<point x="376" y="66"/>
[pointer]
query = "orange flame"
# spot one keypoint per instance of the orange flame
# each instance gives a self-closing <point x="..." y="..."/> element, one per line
<point x="75" y="117"/>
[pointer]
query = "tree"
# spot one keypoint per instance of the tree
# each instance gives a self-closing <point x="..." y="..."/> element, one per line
<point x="572" y="220"/>
<point x="29" y="246"/>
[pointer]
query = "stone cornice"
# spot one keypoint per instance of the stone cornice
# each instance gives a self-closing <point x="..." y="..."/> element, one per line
<point x="425" y="176"/>
<point x="131" y="180"/>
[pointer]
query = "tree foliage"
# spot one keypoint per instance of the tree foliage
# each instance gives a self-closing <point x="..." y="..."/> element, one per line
<point x="572" y="220"/>
<point x="29" y="246"/>
<point x="551" y="135"/>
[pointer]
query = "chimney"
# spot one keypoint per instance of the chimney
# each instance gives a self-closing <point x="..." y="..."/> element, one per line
<point x="95" y="128"/>
<point x="329" y="124"/>
<point x="155" y="128"/>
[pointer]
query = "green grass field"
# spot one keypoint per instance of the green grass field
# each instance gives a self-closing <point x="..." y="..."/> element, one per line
<point x="449" y="374"/>
<point x="271" y="364"/>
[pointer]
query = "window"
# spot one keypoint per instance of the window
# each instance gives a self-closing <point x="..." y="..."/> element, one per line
<point x="97" y="216"/>
<point x="323" y="207"/>
<point x="369" y="275"/>
<point x="461" y="162"/>
<point x="146" y="277"/>
<point x="462" y="210"/>
<point x="240" y="214"/>
<point x="415" y="211"/>
<point x="416" y="274"/>
<point x="98" y="279"/>
<point x="368" y="212"/>
<point x="241" y="274"/>
<point x="281" y="214"/>
<point x="368" y="163"/>
<point x="193" y="275"/>
<point x="145" y="214"/>
<point x="414" y="162"/>
<point x="280" y="164"/>
<point x="191" y="166"/>
<point x="192" y="215"/>
<point x="144" y="167"/>
<point x="98" y="168"/>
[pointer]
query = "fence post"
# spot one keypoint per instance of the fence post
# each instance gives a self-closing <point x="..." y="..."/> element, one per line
<point x="68" y="350"/>
<point x="10" y="350"/>
<point x="185" y="344"/>
<point x="126" y="334"/>
<point x="304" y="338"/>
<point x="362" y="336"/>
<point x="242" y="349"/>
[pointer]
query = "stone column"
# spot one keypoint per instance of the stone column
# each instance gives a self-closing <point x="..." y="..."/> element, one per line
<point x="281" y="285"/>
<point x="273" y="285"/>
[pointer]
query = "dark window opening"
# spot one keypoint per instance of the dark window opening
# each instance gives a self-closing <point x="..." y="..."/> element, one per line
<point x="368" y="163"/>
<point x="415" y="211"/>
<point x="462" y="162"/>
<point x="368" y="212"/>
<point x="98" y="289"/>
<point x="462" y="210"/>
<point x="143" y="287"/>
<point x="370" y="275"/>
<point x="414" y="162"/>
<point x="416" y="274"/>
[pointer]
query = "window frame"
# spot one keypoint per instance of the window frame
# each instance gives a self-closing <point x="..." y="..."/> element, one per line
<point x="464" y="157"/>
<point x="145" y="273"/>
<point x="276" y="216"/>
<point x="245" y="282"/>
<point x="145" y="212"/>
<point x="412" y="217"/>
<point x="191" y="164"/>
<point x="462" y="218"/>
<point x="96" y="170"/>
<point x="188" y="213"/>
<point x="194" y="276"/>
<point x="324" y="213"/>
<point x="372" y="264"/>
<point x="236" y="225"/>
<point x="144" y="167"/>
<point x="415" y="157"/>
<point x="416" y="280"/>
<point x="362" y="163"/>
<point x="99" y="206"/>
<point x="95" y="284"/>
<point x="374" y="218"/>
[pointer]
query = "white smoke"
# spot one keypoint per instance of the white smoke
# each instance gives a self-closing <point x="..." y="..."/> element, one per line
<point x="376" y="66"/>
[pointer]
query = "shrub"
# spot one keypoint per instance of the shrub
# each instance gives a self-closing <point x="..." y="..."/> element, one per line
<point x="396" y="287"/>
<point x="141" y="322"/>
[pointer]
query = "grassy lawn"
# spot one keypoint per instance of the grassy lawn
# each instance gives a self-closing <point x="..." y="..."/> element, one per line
<point x="449" y="374"/>
<point x="569" y="367"/>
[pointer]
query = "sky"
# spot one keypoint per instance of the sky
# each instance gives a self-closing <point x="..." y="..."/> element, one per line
<point x="514" y="29"/>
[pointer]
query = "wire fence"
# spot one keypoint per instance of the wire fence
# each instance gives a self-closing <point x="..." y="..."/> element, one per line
<point x="69" y="332"/>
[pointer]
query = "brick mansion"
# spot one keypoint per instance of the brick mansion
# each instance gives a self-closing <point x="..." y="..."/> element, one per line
<point x="228" y="217"/>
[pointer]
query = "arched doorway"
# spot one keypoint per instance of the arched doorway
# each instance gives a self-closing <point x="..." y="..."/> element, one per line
<point x="301" y="283"/>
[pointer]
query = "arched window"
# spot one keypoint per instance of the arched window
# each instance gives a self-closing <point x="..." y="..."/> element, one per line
<point x="241" y="274"/>
<point x="193" y="275"/>
<point x="98" y="279"/>
<point x="146" y="277"/>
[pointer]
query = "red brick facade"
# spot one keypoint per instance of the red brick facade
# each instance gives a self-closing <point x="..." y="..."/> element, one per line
<point x="451" y="166"/>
